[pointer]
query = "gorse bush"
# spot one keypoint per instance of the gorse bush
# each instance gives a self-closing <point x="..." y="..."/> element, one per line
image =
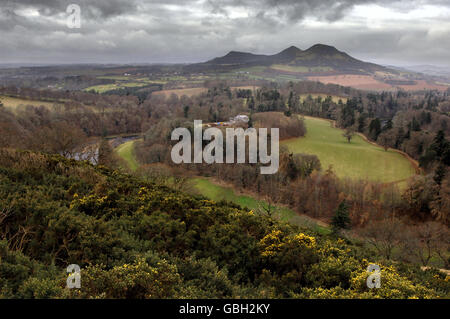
<point x="137" y="239"/>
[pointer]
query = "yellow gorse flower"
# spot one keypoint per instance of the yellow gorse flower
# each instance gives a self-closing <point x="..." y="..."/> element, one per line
<point x="305" y="240"/>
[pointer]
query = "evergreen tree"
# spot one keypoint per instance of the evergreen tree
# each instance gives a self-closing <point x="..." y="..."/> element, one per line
<point x="362" y="122"/>
<point x="415" y="125"/>
<point x="251" y="103"/>
<point x="341" y="219"/>
<point x="250" y="121"/>
<point x="291" y="100"/>
<point x="388" y="125"/>
<point x="439" y="174"/>
<point x="348" y="114"/>
<point x="186" y="111"/>
<point x="399" y="137"/>
<point x="439" y="143"/>
<point x="374" y="129"/>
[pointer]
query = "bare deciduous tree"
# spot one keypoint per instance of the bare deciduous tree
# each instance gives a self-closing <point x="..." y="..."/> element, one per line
<point x="349" y="133"/>
<point x="384" y="235"/>
<point x="427" y="240"/>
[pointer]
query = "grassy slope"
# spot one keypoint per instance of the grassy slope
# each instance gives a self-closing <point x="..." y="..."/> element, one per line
<point x="357" y="159"/>
<point x="217" y="192"/>
<point x="290" y="68"/>
<point x="203" y="186"/>
<point x="299" y="69"/>
<point x="126" y="151"/>
<point x="13" y="102"/>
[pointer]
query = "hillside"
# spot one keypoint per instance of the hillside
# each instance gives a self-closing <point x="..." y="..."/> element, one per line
<point x="318" y="58"/>
<point x="320" y="62"/>
<point x="135" y="239"/>
<point x="320" y="55"/>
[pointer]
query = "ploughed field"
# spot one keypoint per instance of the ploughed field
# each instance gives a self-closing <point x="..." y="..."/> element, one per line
<point x="357" y="160"/>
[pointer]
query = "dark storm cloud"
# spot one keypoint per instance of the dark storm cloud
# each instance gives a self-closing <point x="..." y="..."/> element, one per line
<point x="195" y="30"/>
<point x="296" y="10"/>
<point x="290" y="10"/>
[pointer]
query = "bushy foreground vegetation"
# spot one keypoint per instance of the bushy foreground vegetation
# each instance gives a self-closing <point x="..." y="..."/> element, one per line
<point x="136" y="239"/>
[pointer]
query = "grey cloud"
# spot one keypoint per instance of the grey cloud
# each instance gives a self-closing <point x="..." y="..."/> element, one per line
<point x="192" y="30"/>
<point x="328" y="10"/>
<point x="294" y="10"/>
<point x="98" y="9"/>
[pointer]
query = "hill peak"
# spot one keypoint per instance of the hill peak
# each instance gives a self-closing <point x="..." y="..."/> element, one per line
<point x="323" y="49"/>
<point x="288" y="54"/>
<point x="238" y="57"/>
<point x="292" y="49"/>
<point x="237" y="53"/>
<point x="319" y="58"/>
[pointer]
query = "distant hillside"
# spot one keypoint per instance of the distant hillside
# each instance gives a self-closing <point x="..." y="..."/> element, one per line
<point x="321" y="55"/>
<point x="319" y="58"/>
<point x="322" y="63"/>
<point x="441" y="71"/>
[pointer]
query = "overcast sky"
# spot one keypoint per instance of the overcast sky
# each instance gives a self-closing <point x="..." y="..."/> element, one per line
<point x="401" y="33"/>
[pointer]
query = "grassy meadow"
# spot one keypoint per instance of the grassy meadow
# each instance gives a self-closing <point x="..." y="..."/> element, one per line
<point x="126" y="152"/>
<point x="290" y="68"/>
<point x="13" y="103"/>
<point x="113" y="86"/>
<point x="216" y="192"/>
<point x="358" y="159"/>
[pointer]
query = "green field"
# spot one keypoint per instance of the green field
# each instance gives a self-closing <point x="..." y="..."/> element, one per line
<point x="114" y="77"/>
<point x="216" y="192"/>
<point x="126" y="151"/>
<point x="358" y="159"/>
<point x="113" y="86"/>
<point x="290" y="68"/>
<point x="13" y="102"/>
